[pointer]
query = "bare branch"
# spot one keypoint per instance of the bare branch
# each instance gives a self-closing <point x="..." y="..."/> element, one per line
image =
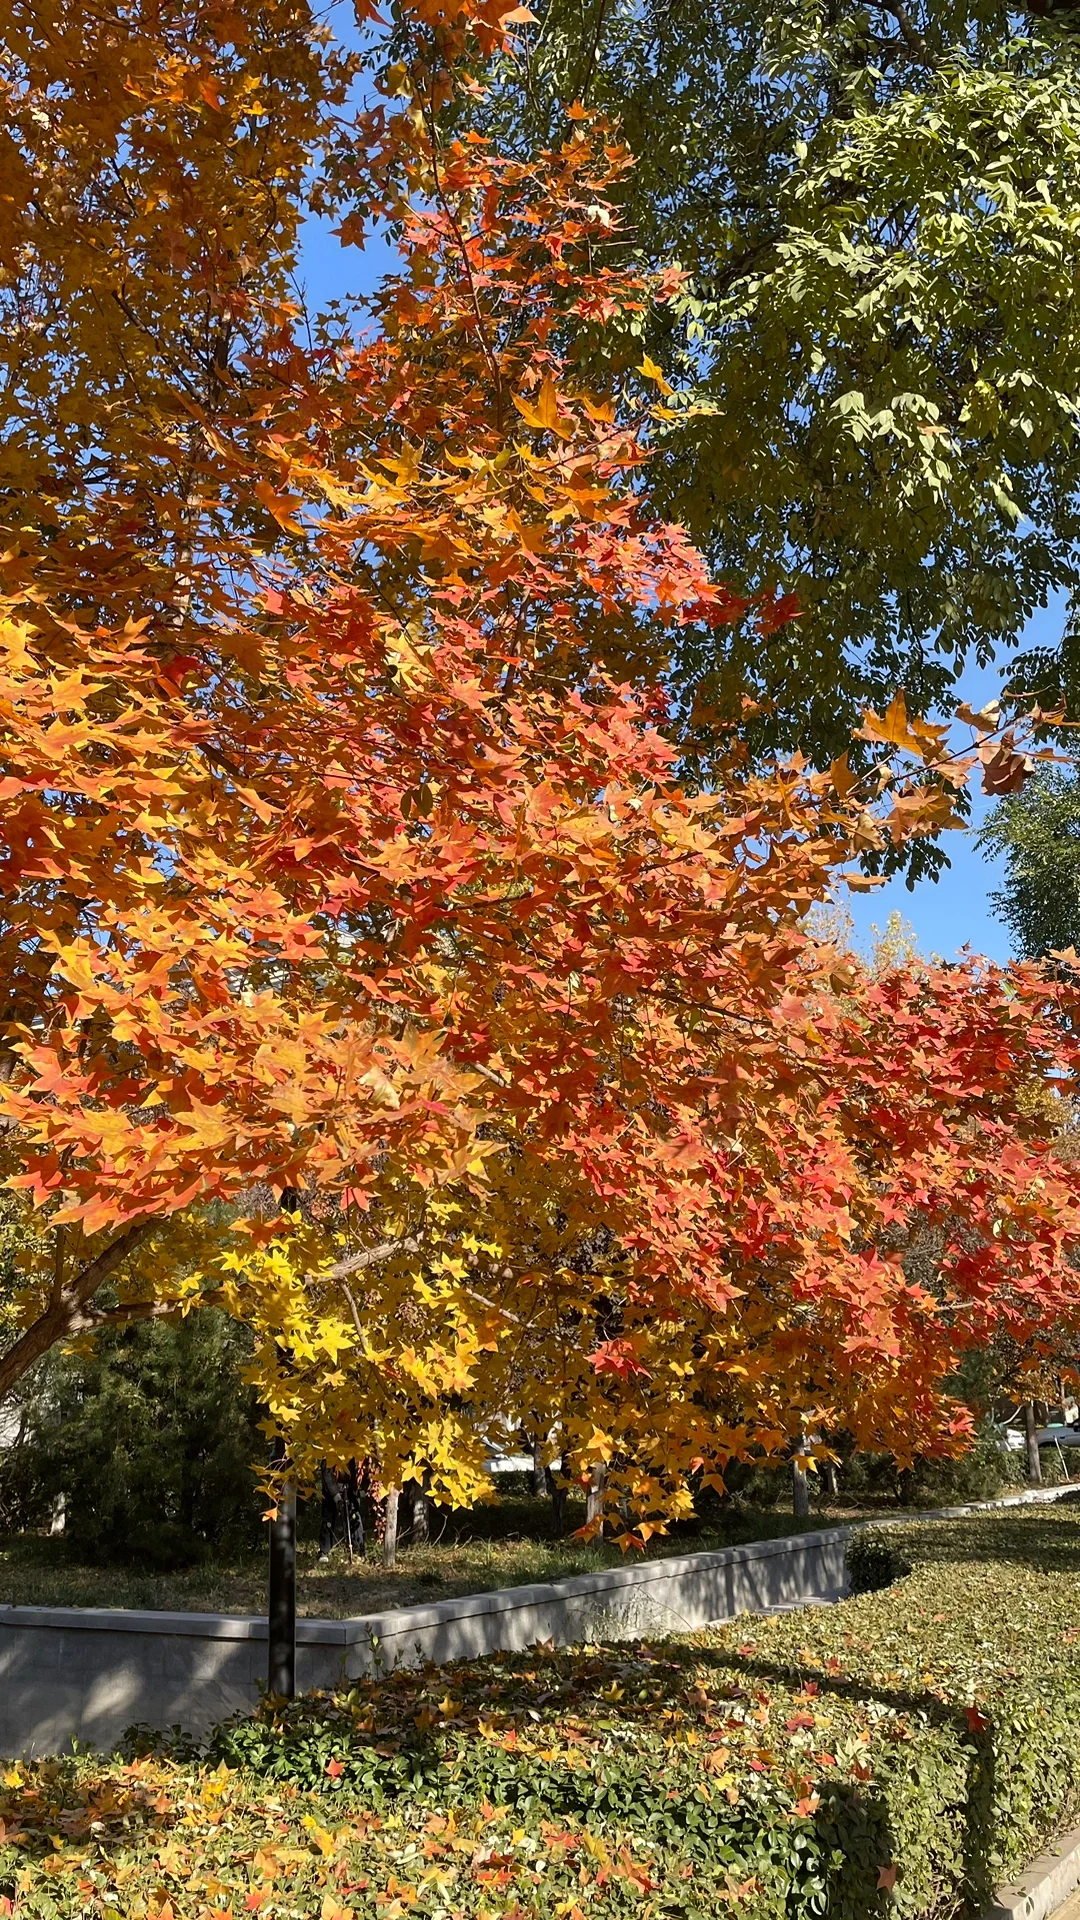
<point x="347" y="1291"/>
<point x="61" y="1314"/>
<point x="370" y="1257"/>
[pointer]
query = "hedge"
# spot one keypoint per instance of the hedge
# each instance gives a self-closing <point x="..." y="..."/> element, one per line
<point x="875" y="1558"/>
<point x="899" y="1754"/>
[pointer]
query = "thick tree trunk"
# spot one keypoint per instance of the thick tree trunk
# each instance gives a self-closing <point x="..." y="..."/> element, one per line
<point x="389" y="1545"/>
<point x="1031" y="1437"/>
<point x="800" y="1491"/>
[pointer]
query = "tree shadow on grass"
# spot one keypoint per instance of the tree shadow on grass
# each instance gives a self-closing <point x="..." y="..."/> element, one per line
<point x="1027" y="1537"/>
<point x="845" y="1845"/>
<point x="853" y="1825"/>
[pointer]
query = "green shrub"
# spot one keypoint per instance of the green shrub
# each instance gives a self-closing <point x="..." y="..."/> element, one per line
<point x="785" y="1768"/>
<point x="149" y="1441"/>
<point x="873" y="1559"/>
<point x="1055" y="1472"/>
<point x="928" y="1727"/>
<point x="984" y="1472"/>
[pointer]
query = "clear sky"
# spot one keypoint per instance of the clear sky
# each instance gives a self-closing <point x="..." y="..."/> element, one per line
<point x="947" y="914"/>
<point x="955" y="911"/>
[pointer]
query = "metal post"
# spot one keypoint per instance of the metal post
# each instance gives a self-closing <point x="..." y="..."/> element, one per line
<point x="1031" y="1438"/>
<point x="281" y="1613"/>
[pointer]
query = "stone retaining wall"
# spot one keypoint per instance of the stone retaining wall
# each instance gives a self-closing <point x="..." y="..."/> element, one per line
<point x="86" y="1673"/>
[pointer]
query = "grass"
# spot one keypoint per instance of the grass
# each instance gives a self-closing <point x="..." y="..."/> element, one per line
<point x="503" y="1546"/>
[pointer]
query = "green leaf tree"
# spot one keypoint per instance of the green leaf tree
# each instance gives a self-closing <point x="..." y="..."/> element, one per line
<point x="878" y="208"/>
<point x="147" y="1440"/>
<point x="1038" y="832"/>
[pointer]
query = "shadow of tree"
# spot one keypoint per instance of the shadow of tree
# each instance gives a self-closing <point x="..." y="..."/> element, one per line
<point x="854" y="1825"/>
<point x="1026" y="1538"/>
<point x="850" y="1836"/>
<point x="856" y="1838"/>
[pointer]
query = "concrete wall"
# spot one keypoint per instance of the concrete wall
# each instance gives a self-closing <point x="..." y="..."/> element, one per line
<point x="87" y="1673"/>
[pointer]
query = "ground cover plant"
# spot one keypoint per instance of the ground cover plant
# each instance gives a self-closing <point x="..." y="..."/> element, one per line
<point x="901" y="1753"/>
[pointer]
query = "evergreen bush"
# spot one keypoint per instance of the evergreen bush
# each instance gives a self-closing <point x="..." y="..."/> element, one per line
<point x="146" y="1445"/>
<point x="922" y="1735"/>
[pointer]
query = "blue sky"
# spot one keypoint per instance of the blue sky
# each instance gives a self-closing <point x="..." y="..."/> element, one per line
<point x="955" y="911"/>
<point x="947" y="914"/>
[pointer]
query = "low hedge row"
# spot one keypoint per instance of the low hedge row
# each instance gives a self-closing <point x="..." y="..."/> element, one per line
<point x="902" y="1753"/>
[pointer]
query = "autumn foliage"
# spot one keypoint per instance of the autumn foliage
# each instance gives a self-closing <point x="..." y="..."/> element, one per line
<point x="355" y="888"/>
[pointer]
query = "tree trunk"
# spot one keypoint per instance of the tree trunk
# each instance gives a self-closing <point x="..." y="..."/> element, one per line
<point x="1031" y="1436"/>
<point x="418" y="1513"/>
<point x="558" y="1498"/>
<point x="830" y="1479"/>
<point x="594" y="1498"/>
<point x="800" y="1491"/>
<point x="389" y="1545"/>
<point x="539" y="1471"/>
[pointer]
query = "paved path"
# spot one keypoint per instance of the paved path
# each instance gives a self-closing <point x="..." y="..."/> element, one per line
<point x="1071" y="1909"/>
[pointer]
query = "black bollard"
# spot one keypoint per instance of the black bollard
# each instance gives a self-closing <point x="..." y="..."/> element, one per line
<point x="281" y="1612"/>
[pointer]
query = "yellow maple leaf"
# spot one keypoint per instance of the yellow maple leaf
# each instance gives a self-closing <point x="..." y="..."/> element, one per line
<point x="544" y="411"/>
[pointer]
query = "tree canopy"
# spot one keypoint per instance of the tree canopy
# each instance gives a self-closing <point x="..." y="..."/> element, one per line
<point x="376" y="969"/>
<point x="1038" y="832"/>
<point x="875" y="206"/>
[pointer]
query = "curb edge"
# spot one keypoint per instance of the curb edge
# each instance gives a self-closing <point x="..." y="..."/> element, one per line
<point x="1040" y="1890"/>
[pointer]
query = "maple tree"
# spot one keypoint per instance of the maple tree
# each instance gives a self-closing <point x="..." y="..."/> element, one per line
<point x="154" y="160"/>
<point x="156" y="178"/>
<point x="348" y="876"/>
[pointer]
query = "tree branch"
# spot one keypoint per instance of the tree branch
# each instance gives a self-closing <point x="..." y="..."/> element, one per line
<point x="370" y="1257"/>
<point x="83" y="1288"/>
<point x="910" y="34"/>
<point x="143" y="1310"/>
<point x="61" y="1314"/>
